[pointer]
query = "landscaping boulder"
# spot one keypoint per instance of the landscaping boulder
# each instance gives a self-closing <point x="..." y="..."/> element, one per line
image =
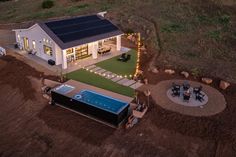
<point x="155" y="71"/>
<point x="169" y="71"/>
<point x="143" y="48"/>
<point x="145" y="81"/>
<point x="207" y="80"/>
<point x="145" y="52"/>
<point x="147" y="92"/>
<point x="224" y="85"/>
<point x="185" y="73"/>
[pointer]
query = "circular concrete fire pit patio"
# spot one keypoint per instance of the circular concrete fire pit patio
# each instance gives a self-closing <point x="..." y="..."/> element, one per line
<point x="192" y="101"/>
<point x="214" y="102"/>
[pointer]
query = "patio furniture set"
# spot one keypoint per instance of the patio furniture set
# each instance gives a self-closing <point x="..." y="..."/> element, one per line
<point x="104" y="50"/>
<point x="186" y="92"/>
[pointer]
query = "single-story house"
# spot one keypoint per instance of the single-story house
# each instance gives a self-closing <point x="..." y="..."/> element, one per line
<point x="70" y="39"/>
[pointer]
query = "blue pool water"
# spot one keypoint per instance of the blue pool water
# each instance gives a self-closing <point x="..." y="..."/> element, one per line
<point x="63" y="89"/>
<point x="101" y="101"/>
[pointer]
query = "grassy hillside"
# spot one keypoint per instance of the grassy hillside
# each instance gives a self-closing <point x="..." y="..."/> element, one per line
<point x="190" y="34"/>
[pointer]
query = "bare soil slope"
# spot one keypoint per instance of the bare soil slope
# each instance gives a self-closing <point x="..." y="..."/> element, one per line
<point x="197" y="35"/>
<point x="30" y="126"/>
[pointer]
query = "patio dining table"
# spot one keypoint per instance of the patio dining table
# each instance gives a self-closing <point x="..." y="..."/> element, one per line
<point x="104" y="50"/>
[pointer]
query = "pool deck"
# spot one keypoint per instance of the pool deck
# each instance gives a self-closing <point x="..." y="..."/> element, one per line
<point x="79" y="86"/>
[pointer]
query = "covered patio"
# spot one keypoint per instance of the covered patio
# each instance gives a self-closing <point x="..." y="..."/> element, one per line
<point x="72" y="66"/>
<point x="78" y="64"/>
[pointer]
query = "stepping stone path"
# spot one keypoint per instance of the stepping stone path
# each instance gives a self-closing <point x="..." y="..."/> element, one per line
<point x="91" y="67"/>
<point x="101" y="71"/>
<point x="96" y="69"/>
<point x="129" y="83"/>
<point x="107" y="73"/>
<point x="123" y="81"/>
<point x="110" y="75"/>
<point x="114" y="77"/>
<point x="136" y="85"/>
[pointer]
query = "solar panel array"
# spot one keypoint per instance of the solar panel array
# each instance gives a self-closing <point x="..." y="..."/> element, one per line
<point x="80" y="28"/>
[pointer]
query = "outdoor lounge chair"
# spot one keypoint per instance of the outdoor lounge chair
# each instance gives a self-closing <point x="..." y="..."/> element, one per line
<point x="175" y="92"/>
<point x="175" y="86"/>
<point x="200" y="97"/>
<point x="197" y="90"/>
<point x="127" y="58"/>
<point x="122" y="57"/>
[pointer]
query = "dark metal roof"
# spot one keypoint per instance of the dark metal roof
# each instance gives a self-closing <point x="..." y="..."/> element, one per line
<point x="80" y="30"/>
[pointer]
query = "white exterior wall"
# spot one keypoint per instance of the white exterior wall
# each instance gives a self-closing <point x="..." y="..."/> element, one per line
<point x="35" y="33"/>
<point x="58" y="54"/>
<point x="118" y="42"/>
<point x="93" y="49"/>
<point x="64" y="60"/>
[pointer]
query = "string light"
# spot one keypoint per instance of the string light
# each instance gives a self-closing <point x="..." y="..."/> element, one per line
<point x="138" y="54"/>
<point x="137" y="61"/>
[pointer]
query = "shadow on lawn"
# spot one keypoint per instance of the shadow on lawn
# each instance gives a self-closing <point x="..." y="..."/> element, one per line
<point x="83" y="128"/>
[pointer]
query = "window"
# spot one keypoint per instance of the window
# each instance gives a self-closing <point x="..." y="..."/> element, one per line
<point x="81" y="52"/>
<point x="47" y="50"/>
<point x="26" y="43"/>
<point x="18" y="36"/>
<point x="69" y="51"/>
<point x="34" y="44"/>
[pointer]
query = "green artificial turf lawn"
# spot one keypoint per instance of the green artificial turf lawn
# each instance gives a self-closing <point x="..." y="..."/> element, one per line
<point x="99" y="81"/>
<point x="118" y="67"/>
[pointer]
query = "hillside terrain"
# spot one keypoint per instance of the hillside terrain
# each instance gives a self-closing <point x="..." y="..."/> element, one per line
<point x="197" y="35"/>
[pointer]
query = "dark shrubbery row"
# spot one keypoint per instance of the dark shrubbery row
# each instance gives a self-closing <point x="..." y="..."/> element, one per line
<point x="4" y="0"/>
<point x="47" y="4"/>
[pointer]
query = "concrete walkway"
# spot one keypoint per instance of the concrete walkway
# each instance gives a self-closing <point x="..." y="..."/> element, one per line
<point x="114" y="77"/>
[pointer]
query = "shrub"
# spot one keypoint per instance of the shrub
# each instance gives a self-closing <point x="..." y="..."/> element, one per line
<point x="129" y="31"/>
<point x="215" y="34"/>
<point x="47" y="4"/>
<point x="172" y="28"/>
<point x="195" y="72"/>
<point x="75" y="9"/>
<point x="4" y="0"/>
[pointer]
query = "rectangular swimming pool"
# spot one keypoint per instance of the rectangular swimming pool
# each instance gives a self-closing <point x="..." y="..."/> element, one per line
<point x="90" y="103"/>
<point x="101" y="101"/>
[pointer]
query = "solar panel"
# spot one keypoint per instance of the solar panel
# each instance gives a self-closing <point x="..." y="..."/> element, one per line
<point x="77" y="29"/>
<point x="55" y="24"/>
<point x="87" y="33"/>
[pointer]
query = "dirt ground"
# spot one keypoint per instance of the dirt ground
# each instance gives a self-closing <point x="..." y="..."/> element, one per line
<point x="31" y="127"/>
